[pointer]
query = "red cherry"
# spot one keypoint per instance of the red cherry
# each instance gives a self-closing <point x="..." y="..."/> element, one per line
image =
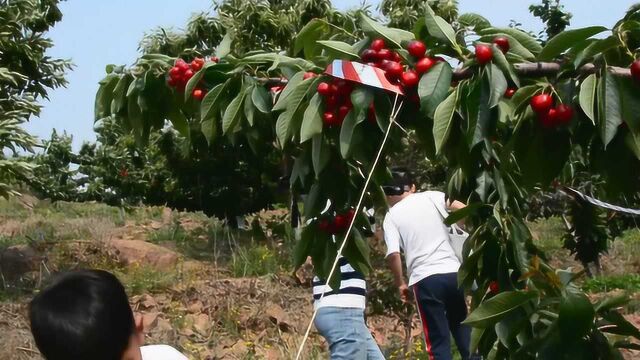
<point x="424" y="65"/>
<point x="410" y="78"/>
<point x="198" y="94"/>
<point x="172" y="82"/>
<point x="344" y="88"/>
<point x="215" y="59"/>
<point x="564" y="114"/>
<point x="328" y="118"/>
<point x="635" y="70"/>
<point x="343" y="111"/>
<point x="175" y="73"/>
<point x="308" y="75"/>
<point x="182" y="65"/>
<point x="323" y="225"/>
<point x="396" y="57"/>
<point x="332" y="101"/>
<point x="503" y="43"/>
<point x="369" y="55"/>
<point x="484" y="54"/>
<point x="494" y="288"/>
<point x="417" y="48"/>
<point x="188" y="74"/>
<point x="340" y="222"/>
<point x="196" y="66"/>
<point x="334" y="88"/>
<point x="394" y="69"/>
<point x="324" y="89"/>
<point x="509" y="93"/>
<point x="541" y="103"/>
<point x="377" y="45"/>
<point x="385" y="54"/>
<point x="549" y="119"/>
<point x="351" y="213"/>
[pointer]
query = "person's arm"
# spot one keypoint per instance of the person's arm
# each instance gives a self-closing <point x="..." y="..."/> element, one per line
<point x="394" y="261"/>
<point x="454" y="206"/>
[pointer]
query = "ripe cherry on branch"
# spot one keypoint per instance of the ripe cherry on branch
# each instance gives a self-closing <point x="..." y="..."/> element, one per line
<point x="502" y="43"/>
<point x="635" y="70"/>
<point x="424" y="65"/>
<point x="509" y="93"/>
<point x="324" y="89"/>
<point x="417" y="49"/>
<point x="410" y="78"/>
<point x="541" y="103"/>
<point x="198" y="94"/>
<point x="377" y="44"/>
<point x="484" y="54"/>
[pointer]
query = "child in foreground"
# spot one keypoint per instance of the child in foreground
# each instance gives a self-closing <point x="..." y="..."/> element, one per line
<point x="85" y="315"/>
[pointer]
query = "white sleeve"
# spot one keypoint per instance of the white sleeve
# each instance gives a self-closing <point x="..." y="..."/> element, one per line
<point x="440" y="199"/>
<point x="391" y="235"/>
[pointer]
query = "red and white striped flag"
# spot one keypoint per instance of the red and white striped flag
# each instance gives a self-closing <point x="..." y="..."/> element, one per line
<point x="363" y="74"/>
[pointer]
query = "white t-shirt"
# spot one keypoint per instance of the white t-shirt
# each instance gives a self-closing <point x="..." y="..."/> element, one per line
<point x="415" y="226"/>
<point x="161" y="352"/>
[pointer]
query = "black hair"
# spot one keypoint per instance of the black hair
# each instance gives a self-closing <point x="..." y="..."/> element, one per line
<point x="401" y="177"/>
<point x="82" y="315"/>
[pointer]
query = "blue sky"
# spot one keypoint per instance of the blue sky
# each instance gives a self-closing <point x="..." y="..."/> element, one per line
<point x="96" y="33"/>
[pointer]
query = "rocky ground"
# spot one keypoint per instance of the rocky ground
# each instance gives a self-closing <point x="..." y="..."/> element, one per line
<point x="193" y="300"/>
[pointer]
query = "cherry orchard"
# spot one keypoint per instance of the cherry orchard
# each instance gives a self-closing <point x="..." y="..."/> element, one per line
<point x="506" y="122"/>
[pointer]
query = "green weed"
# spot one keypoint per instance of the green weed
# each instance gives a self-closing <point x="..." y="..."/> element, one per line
<point x="629" y="282"/>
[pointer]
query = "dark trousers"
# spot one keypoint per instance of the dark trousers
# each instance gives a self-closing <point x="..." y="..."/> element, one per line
<point x="442" y="308"/>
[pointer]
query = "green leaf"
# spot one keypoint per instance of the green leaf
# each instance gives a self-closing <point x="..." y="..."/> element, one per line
<point x="308" y="36"/>
<point x="576" y="315"/>
<point x="346" y="131"/>
<point x="211" y="102"/>
<point x="525" y="39"/>
<point x="179" y="122"/>
<point x="192" y="83"/>
<point x="612" y="108"/>
<point x="434" y="86"/>
<point x="105" y="96"/>
<point x="261" y="99"/>
<point x="320" y="154"/>
<point x="610" y="303"/>
<point x="566" y="40"/>
<point x="500" y="60"/>
<point x="312" y="120"/>
<point x="461" y="214"/>
<point x="303" y="246"/>
<point x="599" y="46"/>
<point x="209" y="129"/>
<point x="292" y="84"/>
<point x="391" y="36"/>
<point x="249" y="109"/>
<point x="520" y="100"/>
<point x="496" y="308"/>
<point x="340" y="48"/>
<point x="588" y="96"/>
<point x="498" y="85"/>
<point x="284" y="128"/>
<point x="440" y="28"/>
<point x="232" y="113"/>
<point x="443" y="120"/>
<point x="119" y="94"/>
<point x="474" y="21"/>
<point x="357" y="253"/>
<point x="622" y="326"/>
<point x="224" y="48"/>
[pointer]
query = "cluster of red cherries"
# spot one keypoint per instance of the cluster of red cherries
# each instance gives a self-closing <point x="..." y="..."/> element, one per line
<point x="336" y="224"/>
<point x="380" y="56"/>
<point x="551" y="116"/>
<point x="337" y="101"/>
<point x="182" y="72"/>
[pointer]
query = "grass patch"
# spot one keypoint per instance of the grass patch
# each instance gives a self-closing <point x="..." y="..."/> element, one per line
<point x="628" y="282"/>
<point x="548" y="233"/>
<point x="257" y="260"/>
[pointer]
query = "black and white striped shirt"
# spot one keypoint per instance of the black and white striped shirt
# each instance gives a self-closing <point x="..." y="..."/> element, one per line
<point x="351" y="294"/>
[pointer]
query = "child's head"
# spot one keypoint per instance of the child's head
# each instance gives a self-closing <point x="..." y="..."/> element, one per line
<point x="85" y="315"/>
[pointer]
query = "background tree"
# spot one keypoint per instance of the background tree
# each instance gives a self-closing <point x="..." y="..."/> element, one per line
<point x="26" y="74"/>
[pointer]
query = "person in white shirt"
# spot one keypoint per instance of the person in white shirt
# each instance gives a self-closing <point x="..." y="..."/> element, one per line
<point x="85" y="315"/>
<point x="414" y="226"/>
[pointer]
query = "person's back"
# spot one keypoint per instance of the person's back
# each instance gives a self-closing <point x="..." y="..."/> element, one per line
<point x="416" y="225"/>
<point x="85" y="315"/>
